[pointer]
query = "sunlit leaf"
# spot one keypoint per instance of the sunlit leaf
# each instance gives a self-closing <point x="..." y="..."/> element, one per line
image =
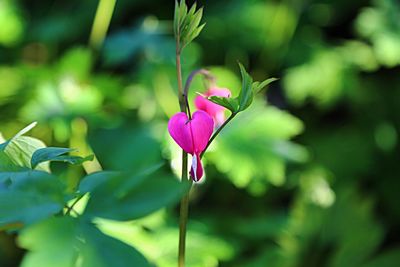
<point x="68" y="242"/>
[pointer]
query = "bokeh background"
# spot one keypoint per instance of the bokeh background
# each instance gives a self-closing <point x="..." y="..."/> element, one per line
<point x="309" y="176"/>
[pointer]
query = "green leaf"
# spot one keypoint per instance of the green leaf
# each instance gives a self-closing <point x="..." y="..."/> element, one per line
<point x="134" y="195"/>
<point x="68" y="242"/>
<point x="93" y="180"/>
<point x="265" y="151"/>
<point x="246" y="94"/>
<point x="101" y="250"/>
<point x="6" y="164"/>
<point x="132" y="149"/>
<point x="56" y="154"/>
<point x="229" y="103"/>
<point x="258" y="86"/>
<point x="28" y="196"/>
<point x="21" y="149"/>
<point x="53" y="242"/>
<point x="187" y="23"/>
<point x="47" y="154"/>
<point x="20" y="133"/>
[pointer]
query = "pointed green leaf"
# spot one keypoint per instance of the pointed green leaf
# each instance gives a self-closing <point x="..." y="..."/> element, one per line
<point x="56" y="154"/>
<point x="258" y="86"/>
<point x="47" y="154"/>
<point x="246" y="94"/>
<point x="229" y="103"/>
<point x="186" y="23"/>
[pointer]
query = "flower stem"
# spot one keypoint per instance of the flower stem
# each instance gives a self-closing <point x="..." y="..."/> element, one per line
<point x="184" y="206"/>
<point x="189" y="80"/>
<point x="217" y="132"/>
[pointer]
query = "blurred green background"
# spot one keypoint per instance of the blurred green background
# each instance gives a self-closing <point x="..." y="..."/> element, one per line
<point x="309" y="176"/>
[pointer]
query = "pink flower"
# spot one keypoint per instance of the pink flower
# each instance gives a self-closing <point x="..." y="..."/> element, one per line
<point x="192" y="136"/>
<point x="214" y="110"/>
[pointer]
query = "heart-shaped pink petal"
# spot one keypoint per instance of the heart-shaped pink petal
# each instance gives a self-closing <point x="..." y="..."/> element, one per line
<point x="202" y="126"/>
<point x="192" y="136"/>
<point x="178" y="128"/>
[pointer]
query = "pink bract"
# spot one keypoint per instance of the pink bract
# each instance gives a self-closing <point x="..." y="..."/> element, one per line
<point x="217" y="112"/>
<point x="192" y="136"/>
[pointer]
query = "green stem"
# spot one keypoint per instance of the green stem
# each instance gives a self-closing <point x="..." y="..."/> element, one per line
<point x="184" y="211"/>
<point x="70" y="208"/>
<point x="217" y="132"/>
<point x="184" y="206"/>
<point x="101" y="23"/>
<point x="189" y="80"/>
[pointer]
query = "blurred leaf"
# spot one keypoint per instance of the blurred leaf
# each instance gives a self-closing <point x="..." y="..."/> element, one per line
<point x="53" y="242"/>
<point x="386" y="259"/>
<point x="379" y="24"/>
<point x="68" y="242"/>
<point x="56" y="154"/>
<point x="90" y="182"/>
<point x="6" y="164"/>
<point x="260" y="227"/>
<point x="127" y="148"/>
<point x="101" y="250"/>
<point x="264" y="151"/>
<point x="77" y="63"/>
<point x="29" y="196"/>
<point x="148" y="238"/>
<point x="134" y="195"/>
<point x="322" y="78"/>
<point x="122" y="46"/>
<point x="12" y="23"/>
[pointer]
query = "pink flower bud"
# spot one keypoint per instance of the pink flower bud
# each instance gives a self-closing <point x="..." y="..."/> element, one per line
<point x="217" y="112"/>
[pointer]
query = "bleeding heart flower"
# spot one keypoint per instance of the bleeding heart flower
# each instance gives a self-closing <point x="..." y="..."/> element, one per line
<point x="214" y="110"/>
<point x="192" y="136"/>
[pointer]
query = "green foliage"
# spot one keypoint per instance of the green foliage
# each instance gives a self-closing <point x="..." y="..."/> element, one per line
<point x="135" y="196"/>
<point x="12" y="23"/>
<point x="264" y="153"/>
<point x="34" y="201"/>
<point x="246" y="95"/>
<point x="309" y="180"/>
<point x="69" y="241"/>
<point x="29" y="196"/>
<point x="155" y="231"/>
<point x="56" y="154"/>
<point x="187" y="23"/>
